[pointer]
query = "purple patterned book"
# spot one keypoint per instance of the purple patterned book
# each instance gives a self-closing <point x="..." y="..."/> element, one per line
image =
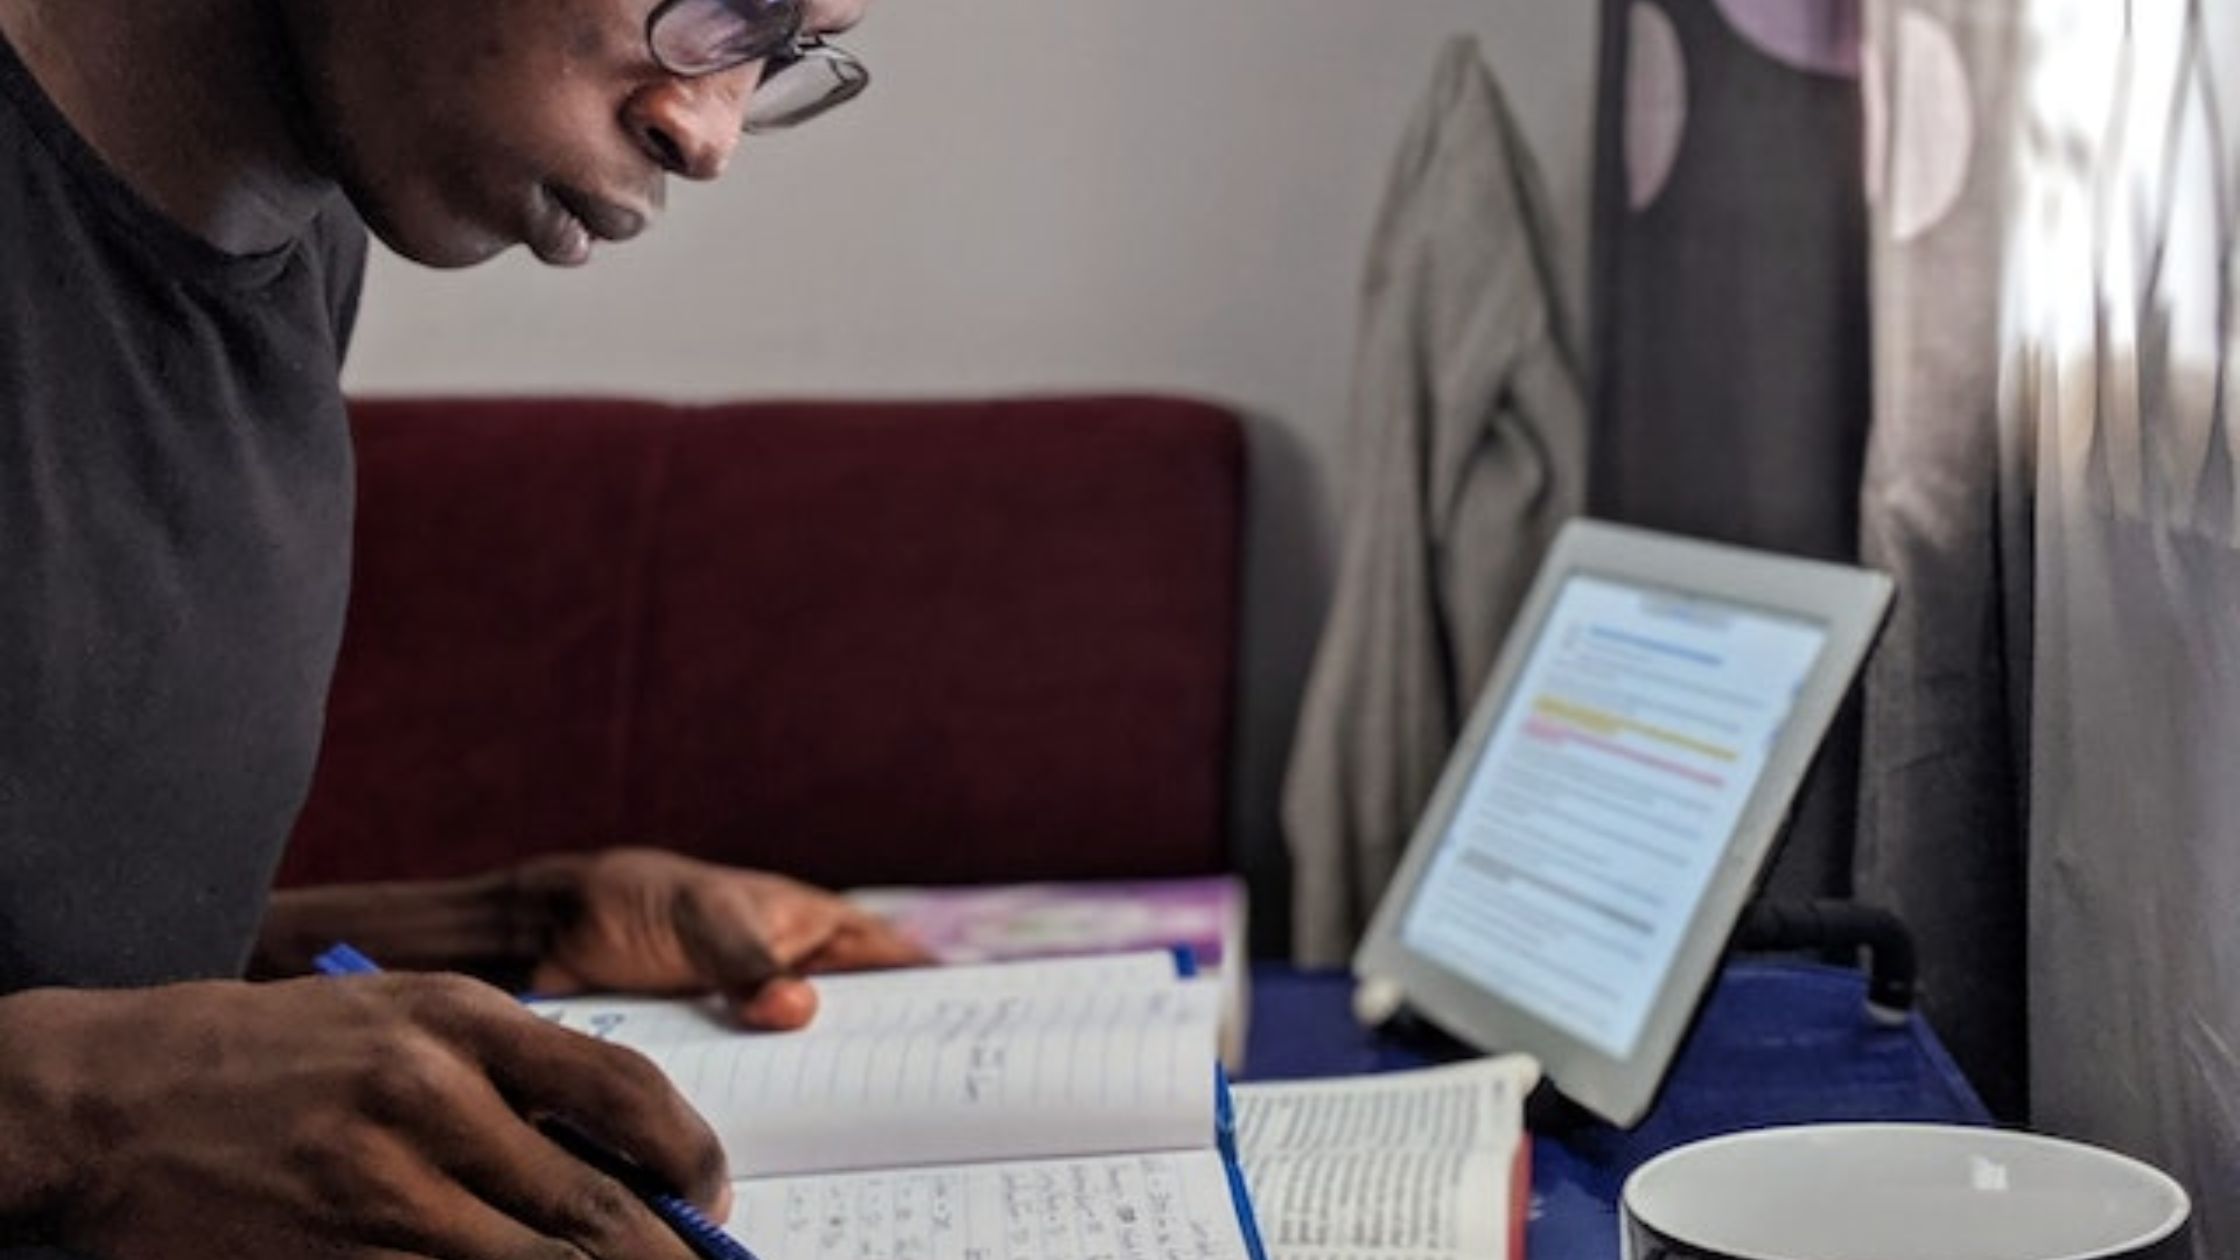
<point x="1005" y="921"/>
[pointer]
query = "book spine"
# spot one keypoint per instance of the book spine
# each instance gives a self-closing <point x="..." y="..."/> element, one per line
<point x="1225" y="1139"/>
<point x="1520" y="1195"/>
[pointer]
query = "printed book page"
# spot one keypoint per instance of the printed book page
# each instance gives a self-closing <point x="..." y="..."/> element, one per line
<point x="1424" y="1165"/>
<point x="1172" y="1205"/>
<point x="941" y="1065"/>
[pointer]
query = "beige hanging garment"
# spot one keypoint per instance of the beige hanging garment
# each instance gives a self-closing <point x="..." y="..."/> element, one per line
<point x="1466" y="450"/>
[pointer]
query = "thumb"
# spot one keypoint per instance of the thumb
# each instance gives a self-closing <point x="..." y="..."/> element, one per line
<point x="781" y="1005"/>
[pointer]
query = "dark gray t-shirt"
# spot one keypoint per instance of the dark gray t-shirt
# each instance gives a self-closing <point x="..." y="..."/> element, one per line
<point x="175" y="504"/>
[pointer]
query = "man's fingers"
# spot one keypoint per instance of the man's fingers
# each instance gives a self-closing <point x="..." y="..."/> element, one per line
<point x="616" y="1097"/>
<point x="721" y="932"/>
<point x="547" y="1192"/>
<point x="561" y="1218"/>
<point x="469" y="1181"/>
<point x="864" y="943"/>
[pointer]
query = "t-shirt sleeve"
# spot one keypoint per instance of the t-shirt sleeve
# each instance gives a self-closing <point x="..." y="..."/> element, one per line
<point x="342" y="253"/>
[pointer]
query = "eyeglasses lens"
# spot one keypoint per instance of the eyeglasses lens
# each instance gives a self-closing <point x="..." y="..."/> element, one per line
<point x="695" y="37"/>
<point x="799" y="88"/>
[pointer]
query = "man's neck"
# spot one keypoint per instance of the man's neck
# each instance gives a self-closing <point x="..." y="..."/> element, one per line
<point x="192" y="102"/>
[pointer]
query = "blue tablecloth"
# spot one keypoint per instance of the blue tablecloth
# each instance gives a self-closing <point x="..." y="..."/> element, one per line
<point x="1778" y="1043"/>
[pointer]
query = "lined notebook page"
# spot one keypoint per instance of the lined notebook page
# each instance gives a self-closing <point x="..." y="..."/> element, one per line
<point x="1013" y="1061"/>
<point x="1173" y="1206"/>
<point x="1404" y="1166"/>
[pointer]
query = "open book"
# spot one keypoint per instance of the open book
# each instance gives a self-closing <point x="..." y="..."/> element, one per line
<point x="1426" y="1165"/>
<point x="1069" y="1110"/>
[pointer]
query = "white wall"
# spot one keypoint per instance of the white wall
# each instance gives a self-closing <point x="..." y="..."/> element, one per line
<point x="1035" y="193"/>
<point x="1039" y="195"/>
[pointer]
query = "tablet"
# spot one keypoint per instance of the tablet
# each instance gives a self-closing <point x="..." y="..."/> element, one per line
<point x="1614" y="798"/>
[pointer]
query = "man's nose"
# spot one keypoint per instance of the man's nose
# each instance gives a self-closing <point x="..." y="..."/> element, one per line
<point x="690" y="126"/>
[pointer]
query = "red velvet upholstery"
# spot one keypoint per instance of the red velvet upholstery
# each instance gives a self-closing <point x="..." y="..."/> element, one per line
<point x="856" y="642"/>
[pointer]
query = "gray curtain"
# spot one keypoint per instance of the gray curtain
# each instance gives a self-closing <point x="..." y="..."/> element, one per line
<point x="2121" y="342"/>
<point x="1730" y="347"/>
<point x="2050" y="791"/>
<point x="2049" y="784"/>
<point x="1945" y="510"/>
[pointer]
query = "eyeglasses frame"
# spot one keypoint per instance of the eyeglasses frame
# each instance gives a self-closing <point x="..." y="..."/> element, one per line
<point x="792" y="49"/>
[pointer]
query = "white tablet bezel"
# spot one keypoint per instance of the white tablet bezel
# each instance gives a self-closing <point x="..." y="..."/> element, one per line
<point x="1849" y="602"/>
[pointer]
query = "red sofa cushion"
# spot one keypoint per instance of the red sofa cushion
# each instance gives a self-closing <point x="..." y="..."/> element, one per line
<point x="856" y="642"/>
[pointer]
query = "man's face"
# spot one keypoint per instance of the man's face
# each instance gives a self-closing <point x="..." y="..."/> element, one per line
<point x="460" y="129"/>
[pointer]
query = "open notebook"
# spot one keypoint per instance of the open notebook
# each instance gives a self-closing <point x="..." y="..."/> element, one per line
<point x="1049" y="1109"/>
<point x="1070" y="1109"/>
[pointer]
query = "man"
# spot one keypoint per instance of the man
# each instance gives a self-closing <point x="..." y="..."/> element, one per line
<point x="181" y="185"/>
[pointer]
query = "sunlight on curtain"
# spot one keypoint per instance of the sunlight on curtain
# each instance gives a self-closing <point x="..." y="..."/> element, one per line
<point x="1944" y="509"/>
<point x="2119" y="348"/>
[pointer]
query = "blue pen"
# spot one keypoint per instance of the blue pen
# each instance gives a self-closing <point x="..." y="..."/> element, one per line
<point x="705" y="1237"/>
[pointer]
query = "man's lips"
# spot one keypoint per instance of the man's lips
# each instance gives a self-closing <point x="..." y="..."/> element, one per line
<point x="568" y="221"/>
<point x="605" y="219"/>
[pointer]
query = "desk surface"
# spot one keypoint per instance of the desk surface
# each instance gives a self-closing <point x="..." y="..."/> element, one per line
<point x="1778" y="1043"/>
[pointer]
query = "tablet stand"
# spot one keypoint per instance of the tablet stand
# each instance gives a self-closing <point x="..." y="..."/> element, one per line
<point x="1846" y="927"/>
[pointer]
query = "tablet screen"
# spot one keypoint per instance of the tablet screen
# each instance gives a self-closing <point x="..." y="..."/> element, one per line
<point x="1605" y="798"/>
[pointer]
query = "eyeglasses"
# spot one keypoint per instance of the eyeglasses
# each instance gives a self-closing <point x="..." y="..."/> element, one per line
<point x="802" y="75"/>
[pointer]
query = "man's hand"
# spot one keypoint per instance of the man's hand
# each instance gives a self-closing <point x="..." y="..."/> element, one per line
<point x="384" y="1116"/>
<point x="645" y="921"/>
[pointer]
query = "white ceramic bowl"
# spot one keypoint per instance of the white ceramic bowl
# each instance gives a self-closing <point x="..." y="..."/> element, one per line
<point x="1899" y="1192"/>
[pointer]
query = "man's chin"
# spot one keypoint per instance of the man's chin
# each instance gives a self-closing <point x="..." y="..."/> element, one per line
<point x="444" y="250"/>
<point x="450" y="255"/>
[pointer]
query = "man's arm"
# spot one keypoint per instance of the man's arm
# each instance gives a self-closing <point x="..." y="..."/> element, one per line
<point x="35" y="1175"/>
<point x="626" y="920"/>
<point x="494" y="926"/>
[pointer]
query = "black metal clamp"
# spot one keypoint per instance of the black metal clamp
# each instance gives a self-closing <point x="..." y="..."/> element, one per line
<point x="1777" y="926"/>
